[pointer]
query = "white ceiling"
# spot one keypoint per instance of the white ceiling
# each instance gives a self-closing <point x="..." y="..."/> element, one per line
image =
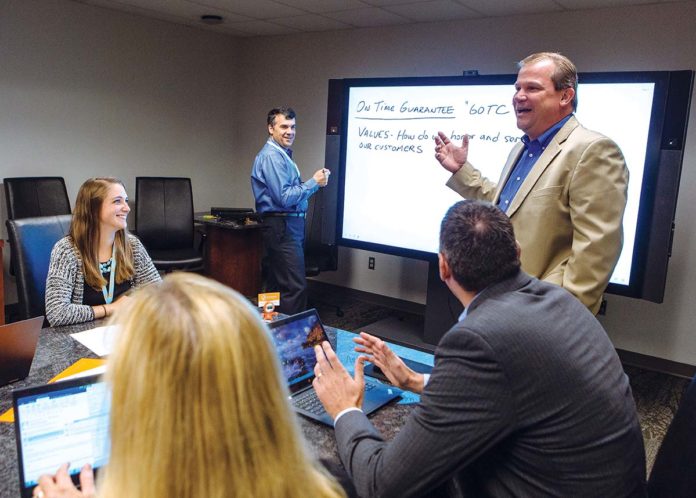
<point x="279" y="17"/>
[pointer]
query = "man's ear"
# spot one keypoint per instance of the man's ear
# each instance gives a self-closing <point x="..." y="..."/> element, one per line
<point x="568" y="96"/>
<point x="444" y="268"/>
<point x="270" y="129"/>
<point x="518" y="248"/>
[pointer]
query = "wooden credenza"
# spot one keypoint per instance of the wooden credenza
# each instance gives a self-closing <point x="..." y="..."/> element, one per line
<point x="233" y="255"/>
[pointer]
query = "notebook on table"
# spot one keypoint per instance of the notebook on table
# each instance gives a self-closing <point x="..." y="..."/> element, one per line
<point x="67" y="421"/>
<point x="17" y="347"/>
<point x="295" y="338"/>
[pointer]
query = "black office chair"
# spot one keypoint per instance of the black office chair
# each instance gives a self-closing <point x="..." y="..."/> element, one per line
<point x="674" y="472"/>
<point x="31" y="196"/>
<point x="164" y="222"/>
<point x="32" y="240"/>
<point x="320" y="250"/>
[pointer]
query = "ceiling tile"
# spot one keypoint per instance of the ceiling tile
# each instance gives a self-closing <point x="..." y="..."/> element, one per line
<point x="172" y="15"/>
<point x="511" y="7"/>
<point x="367" y="17"/>
<point x="177" y="8"/>
<point x="256" y="9"/>
<point x="289" y="16"/>
<point x="321" y="6"/>
<point x="436" y="10"/>
<point x="311" y="22"/>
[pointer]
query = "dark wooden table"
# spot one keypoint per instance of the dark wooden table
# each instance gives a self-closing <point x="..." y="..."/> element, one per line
<point x="57" y="350"/>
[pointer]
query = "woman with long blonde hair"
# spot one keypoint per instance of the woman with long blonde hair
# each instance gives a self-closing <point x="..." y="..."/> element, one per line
<point x="93" y="267"/>
<point x="199" y="405"/>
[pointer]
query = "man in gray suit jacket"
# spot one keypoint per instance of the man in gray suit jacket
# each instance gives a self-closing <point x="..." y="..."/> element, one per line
<point x="527" y="396"/>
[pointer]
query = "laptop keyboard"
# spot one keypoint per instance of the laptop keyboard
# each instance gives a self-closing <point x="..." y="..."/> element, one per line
<point x="308" y="400"/>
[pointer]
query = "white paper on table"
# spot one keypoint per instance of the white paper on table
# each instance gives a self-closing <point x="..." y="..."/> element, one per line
<point x="100" y="340"/>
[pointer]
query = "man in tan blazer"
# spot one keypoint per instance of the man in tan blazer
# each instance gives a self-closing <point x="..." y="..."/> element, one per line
<point x="564" y="187"/>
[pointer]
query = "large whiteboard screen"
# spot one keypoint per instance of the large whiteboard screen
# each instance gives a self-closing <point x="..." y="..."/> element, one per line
<point x="395" y="192"/>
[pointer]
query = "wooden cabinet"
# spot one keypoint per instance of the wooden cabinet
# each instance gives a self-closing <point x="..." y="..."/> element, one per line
<point x="233" y="256"/>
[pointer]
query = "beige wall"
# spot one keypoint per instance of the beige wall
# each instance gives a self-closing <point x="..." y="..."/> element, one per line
<point x="653" y="37"/>
<point x="86" y="91"/>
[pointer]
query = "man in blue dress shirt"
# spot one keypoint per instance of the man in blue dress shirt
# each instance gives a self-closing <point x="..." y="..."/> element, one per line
<point x="564" y="187"/>
<point x="281" y="197"/>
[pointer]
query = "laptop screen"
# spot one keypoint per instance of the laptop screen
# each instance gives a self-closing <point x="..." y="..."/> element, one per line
<point x="295" y="338"/>
<point x="61" y="422"/>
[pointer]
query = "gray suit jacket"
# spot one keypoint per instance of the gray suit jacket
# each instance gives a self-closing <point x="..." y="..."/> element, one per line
<point x="527" y="398"/>
<point x="568" y="212"/>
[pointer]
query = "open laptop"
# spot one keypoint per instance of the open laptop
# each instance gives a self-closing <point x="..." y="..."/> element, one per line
<point x="295" y="338"/>
<point x="66" y="421"/>
<point x="17" y="347"/>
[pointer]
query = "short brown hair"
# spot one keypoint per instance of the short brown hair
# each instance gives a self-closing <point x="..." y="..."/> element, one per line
<point x="478" y="242"/>
<point x="565" y="74"/>
<point x="287" y="112"/>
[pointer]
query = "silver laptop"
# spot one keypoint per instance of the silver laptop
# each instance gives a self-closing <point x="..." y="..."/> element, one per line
<point x="17" y="347"/>
<point x="62" y="422"/>
<point x="295" y="338"/>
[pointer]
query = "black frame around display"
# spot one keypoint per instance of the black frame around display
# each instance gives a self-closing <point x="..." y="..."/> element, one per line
<point x="659" y="190"/>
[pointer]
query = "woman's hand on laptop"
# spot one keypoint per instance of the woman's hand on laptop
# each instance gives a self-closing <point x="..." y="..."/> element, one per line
<point x="335" y="388"/>
<point x="61" y="486"/>
<point x="393" y="367"/>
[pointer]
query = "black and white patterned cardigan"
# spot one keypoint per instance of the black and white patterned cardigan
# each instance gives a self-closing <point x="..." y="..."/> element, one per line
<point x="65" y="281"/>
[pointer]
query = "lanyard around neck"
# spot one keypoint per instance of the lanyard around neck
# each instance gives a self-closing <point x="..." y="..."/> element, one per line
<point x="109" y="296"/>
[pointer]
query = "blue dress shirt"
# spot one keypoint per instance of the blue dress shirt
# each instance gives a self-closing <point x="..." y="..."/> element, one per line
<point x="533" y="149"/>
<point x="276" y="183"/>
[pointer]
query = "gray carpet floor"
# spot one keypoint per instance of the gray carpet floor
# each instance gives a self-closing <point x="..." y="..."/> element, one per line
<point x="656" y="394"/>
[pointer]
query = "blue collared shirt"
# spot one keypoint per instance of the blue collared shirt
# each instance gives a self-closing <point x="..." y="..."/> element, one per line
<point x="276" y="183"/>
<point x="533" y="149"/>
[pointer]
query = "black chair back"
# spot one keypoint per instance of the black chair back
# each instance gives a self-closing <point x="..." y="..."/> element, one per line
<point x="164" y="222"/>
<point x="31" y="196"/>
<point x="674" y="472"/>
<point x="32" y="240"/>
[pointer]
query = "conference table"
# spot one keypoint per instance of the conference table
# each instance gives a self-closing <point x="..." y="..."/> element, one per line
<point x="56" y="351"/>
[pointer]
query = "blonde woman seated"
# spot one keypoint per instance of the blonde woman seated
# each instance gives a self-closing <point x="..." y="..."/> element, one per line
<point x="99" y="261"/>
<point x="199" y="406"/>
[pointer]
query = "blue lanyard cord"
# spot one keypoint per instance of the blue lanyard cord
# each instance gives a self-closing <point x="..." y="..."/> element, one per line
<point x="285" y="153"/>
<point x="109" y="296"/>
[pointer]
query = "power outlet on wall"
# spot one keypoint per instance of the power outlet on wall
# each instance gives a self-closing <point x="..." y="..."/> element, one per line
<point x="371" y="263"/>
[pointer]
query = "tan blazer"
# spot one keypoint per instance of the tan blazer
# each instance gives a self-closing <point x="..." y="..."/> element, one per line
<point x="568" y="212"/>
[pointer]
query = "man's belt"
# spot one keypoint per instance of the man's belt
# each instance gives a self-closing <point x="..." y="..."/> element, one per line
<point x="284" y="214"/>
